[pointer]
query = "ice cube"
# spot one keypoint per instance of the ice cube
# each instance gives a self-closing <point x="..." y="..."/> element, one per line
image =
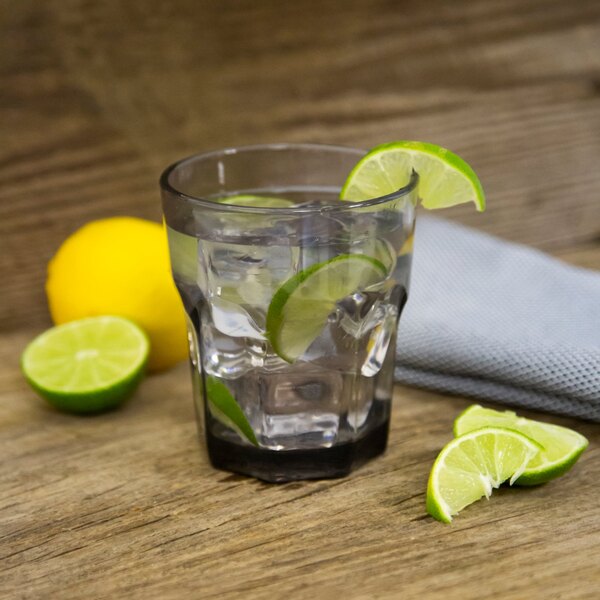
<point x="224" y="356"/>
<point x="301" y="408"/>
<point x="379" y="342"/>
<point x="233" y="320"/>
<point x="246" y="274"/>
<point x="361" y="312"/>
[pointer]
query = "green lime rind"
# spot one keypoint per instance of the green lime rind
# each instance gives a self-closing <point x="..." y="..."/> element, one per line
<point x="472" y="465"/>
<point x="562" y="447"/>
<point x="226" y="410"/>
<point x="256" y="201"/>
<point x="299" y="308"/>
<point x="113" y="354"/>
<point x="445" y="179"/>
<point x="91" y="402"/>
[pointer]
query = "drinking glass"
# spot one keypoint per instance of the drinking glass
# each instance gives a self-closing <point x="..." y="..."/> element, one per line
<point x="293" y="298"/>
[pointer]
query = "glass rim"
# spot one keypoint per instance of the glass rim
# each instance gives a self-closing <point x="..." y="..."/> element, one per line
<point x="166" y="185"/>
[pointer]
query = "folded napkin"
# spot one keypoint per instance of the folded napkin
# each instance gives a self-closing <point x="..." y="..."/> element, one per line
<point x="499" y="321"/>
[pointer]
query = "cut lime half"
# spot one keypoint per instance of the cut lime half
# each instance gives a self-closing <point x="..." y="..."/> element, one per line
<point x="300" y="307"/>
<point x="89" y="365"/>
<point x="472" y="465"/>
<point x="561" y="446"/>
<point x="445" y="179"/>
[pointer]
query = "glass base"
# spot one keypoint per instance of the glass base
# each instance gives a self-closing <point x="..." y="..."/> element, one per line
<point x="293" y="465"/>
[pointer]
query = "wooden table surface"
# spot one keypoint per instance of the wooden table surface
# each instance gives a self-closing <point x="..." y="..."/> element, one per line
<point x="95" y="99"/>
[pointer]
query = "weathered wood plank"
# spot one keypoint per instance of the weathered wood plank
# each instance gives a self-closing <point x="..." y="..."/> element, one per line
<point x="126" y="504"/>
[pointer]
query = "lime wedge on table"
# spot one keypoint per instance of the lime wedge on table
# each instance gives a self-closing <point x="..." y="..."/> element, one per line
<point x="445" y="179"/>
<point x="87" y="365"/>
<point x="300" y="307"/>
<point x="561" y="446"/>
<point x="226" y="410"/>
<point x="474" y="464"/>
<point x="256" y="201"/>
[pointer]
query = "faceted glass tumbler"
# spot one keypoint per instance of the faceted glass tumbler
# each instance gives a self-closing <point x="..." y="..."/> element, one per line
<point x="293" y="299"/>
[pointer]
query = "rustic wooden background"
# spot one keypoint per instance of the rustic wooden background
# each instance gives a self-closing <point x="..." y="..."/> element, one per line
<point x="95" y="99"/>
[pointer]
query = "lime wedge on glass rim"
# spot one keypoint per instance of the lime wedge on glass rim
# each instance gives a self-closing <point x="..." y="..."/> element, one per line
<point x="472" y="465"/>
<point x="561" y="446"/>
<point x="88" y="365"/>
<point x="445" y="179"/>
<point x="300" y="307"/>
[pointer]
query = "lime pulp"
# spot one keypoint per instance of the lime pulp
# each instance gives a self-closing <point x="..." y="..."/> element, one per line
<point x="300" y="307"/>
<point x="445" y="179"/>
<point x="472" y="465"/>
<point x="562" y="447"/>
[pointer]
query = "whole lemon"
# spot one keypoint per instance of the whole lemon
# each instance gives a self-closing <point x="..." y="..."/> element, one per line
<point x="120" y="266"/>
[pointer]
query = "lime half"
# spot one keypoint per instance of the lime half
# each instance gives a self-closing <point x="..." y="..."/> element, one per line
<point x="224" y="408"/>
<point x="561" y="446"/>
<point x="256" y="201"/>
<point x="445" y="179"/>
<point x="89" y="365"/>
<point x="300" y="307"/>
<point x="474" y="464"/>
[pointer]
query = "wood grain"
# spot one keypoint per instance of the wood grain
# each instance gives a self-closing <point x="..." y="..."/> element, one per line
<point x="126" y="505"/>
<point x="96" y="98"/>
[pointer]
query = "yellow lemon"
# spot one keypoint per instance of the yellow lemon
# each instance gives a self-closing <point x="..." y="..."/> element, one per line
<point x="120" y="266"/>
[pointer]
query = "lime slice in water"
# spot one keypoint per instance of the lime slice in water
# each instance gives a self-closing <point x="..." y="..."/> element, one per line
<point x="89" y="365"/>
<point x="226" y="410"/>
<point x="300" y="307"/>
<point x="183" y="254"/>
<point x="445" y="179"/>
<point x="474" y="464"/>
<point x="561" y="446"/>
<point x="256" y="201"/>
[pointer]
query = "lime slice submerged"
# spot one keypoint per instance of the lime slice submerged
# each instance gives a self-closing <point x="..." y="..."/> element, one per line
<point x="445" y="179"/>
<point x="89" y="365"/>
<point x="561" y="446"/>
<point x="183" y="255"/>
<point x="474" y="464"/>
<point x="256" y="201"/>
<point x="226" y="410"/>
<point x="300" y="307"/>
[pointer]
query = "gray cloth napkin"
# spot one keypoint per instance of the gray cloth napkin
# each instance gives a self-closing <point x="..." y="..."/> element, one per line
<point x="499" y="321"/>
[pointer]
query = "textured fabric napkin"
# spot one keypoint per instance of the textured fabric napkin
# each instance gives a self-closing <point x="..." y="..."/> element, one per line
<point x="499" y="321"/>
